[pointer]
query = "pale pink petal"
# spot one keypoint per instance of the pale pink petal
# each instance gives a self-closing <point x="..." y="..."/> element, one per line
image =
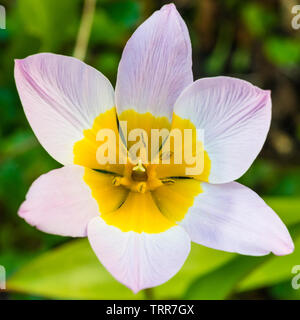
<point x="60" y="202"/>
<point x="61" y="97"/>
<point x="139" y="260"/>
<point x="156" y="65"/>
<point x="233" y="218"/>
<point x="235" y="117"/>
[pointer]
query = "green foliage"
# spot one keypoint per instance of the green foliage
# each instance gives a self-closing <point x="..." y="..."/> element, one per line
<point x="258" y="18"/>
<point x="52" y="22"/>
<point x="215" y="63"/>
<point x="241" y="60"/>
<point x="284" y="291"/>
<point x="112" y="21"/>
<point x="125" y="12"/>
<point x="219" y="283"/>
<point x="71" y="271"/>
<point x="283" y="51"/>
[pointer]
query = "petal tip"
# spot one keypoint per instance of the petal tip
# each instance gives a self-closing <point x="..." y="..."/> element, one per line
<point x="18" y="69"/>
<point x="22" y="211"/>
<point x="267" y="93"/>
<point x="169" y="7"/>
<point x="18" y="63"/>
<point x="287" y="247"/>
<point x="135" y="290"/>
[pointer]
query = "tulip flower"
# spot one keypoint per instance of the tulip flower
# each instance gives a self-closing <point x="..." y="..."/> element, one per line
<point x="141" y="217"/>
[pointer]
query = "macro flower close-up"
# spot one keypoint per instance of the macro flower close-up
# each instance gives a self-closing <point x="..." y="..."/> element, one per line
<point x="140" y="217"/>
<point x="149" y="156"/>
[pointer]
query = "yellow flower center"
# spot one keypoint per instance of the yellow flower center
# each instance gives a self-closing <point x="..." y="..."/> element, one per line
<point x="139" y="196"/>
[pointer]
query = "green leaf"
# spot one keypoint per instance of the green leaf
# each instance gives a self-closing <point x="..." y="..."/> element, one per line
<point x="220" y="283"/>
<point x="285" y="291"/>
<point x="73" y="272"/>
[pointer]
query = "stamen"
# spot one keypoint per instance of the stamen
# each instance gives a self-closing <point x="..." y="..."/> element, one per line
<point x="141" y="187"/>
<point x="120" y="181"/>
<point x="116" y="181"/>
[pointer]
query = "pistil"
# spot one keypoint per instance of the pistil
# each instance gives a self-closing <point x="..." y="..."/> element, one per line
<point x="139" y="172"/>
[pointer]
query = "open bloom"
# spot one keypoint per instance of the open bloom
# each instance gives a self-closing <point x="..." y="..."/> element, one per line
<point x="140" y="218"/>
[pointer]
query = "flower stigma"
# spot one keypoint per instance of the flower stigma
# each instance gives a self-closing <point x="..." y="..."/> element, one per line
<point x="140" y="178"/>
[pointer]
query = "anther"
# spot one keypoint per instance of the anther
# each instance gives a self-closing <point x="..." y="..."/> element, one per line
<point x="141" y="187"/>
<point x="116" y="181"/>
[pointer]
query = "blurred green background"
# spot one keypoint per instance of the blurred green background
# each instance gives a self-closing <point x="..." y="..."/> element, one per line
<point x="252" y="40"/>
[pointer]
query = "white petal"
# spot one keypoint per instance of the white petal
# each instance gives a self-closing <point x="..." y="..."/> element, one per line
<point x="233" y="218"/>
<point x="139" y="260"/>
<point x="61" y="97"/>
<point x="60" y="202"/>
<point x="156" y="65"/>
<point x="235" y="117"/>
